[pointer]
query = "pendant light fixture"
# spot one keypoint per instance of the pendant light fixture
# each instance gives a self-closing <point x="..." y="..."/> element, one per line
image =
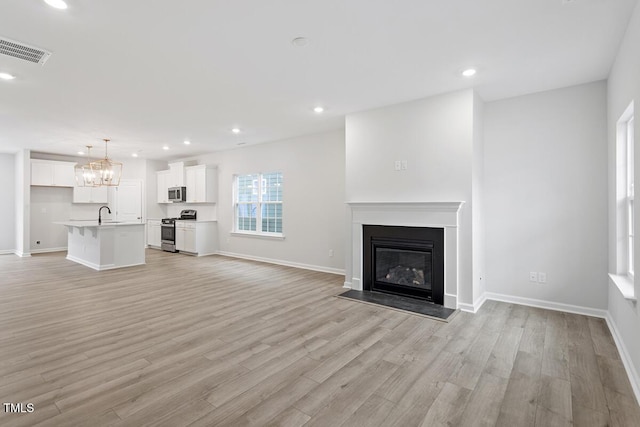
<point x="105" y="172"/>
<point x="84" y="177"/>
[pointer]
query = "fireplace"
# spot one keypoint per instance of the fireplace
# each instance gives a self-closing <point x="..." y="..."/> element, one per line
<point x="407" y="261"/>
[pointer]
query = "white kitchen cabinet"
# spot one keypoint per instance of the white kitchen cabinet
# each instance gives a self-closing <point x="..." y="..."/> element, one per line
<point x="176" y="174"/>
<point x="52" y="173"/>
<point x="163" y="186"/>
<point x="154" y="233"/>
<point x="195" y="237"/>
<point x="90" y="195"/>
<point x="201" y="183"/>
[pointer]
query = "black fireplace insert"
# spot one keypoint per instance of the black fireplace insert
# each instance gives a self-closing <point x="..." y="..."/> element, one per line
<point x="407" y="261"/>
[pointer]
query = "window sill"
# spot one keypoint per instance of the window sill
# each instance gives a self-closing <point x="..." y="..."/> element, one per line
<point x="272" y="236"/>
<point x="625" y="285"/>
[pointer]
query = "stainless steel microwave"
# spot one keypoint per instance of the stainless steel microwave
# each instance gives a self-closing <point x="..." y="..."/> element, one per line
<point x="178" y="194"/>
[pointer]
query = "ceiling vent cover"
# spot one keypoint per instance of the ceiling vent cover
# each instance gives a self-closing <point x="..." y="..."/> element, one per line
<point x="23" y="51"/>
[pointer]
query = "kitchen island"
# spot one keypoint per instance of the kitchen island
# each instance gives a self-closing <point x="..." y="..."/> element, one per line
<point x="105" y="246"/>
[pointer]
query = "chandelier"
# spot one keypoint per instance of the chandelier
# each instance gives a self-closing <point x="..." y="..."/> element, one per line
<point x="84" y="177"/>
<point x="105" y="172"/>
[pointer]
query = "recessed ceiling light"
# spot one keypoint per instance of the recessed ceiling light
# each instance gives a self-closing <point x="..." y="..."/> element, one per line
<point x="134" y="155"/>
<point x="469" y="72"/>
<point x="235" y="130"/>
<point x="166" y="147"/>
<point x="58" y="4"/>
<point x="6" y="76"/>
<point x="300" y="41"/>
<point x="186" y="142"/>
<point x="318" y="109"/>
<point x="81" y="153"/>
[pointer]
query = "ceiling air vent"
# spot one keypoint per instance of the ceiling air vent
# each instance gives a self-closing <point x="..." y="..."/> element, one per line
<point x="23" y="51"/>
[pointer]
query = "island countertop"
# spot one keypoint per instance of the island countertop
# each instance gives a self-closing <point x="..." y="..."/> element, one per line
<point x="109" y="245"/>
<point x="94" y="223"/>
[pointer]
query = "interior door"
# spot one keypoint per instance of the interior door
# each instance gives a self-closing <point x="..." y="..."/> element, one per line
<point x="128" y="200"/>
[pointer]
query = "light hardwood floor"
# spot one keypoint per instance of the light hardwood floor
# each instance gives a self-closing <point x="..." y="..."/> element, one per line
<point x="220" y="341"/>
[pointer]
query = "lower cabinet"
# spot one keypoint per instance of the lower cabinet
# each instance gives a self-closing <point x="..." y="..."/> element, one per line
<point x="198" y="238"/>
<point x="154" y="227"/>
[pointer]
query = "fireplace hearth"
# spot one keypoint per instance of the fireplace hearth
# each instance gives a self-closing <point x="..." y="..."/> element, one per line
<point x="406" y="261"/>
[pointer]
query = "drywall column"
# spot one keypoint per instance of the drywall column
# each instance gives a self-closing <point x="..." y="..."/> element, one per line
<point x="23" y="202"/>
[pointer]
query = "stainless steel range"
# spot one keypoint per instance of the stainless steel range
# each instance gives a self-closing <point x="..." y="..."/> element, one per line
<point x="168" y="229"/>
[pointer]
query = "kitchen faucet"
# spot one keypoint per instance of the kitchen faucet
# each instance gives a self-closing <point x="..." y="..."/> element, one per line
<point x="100" y="213"/>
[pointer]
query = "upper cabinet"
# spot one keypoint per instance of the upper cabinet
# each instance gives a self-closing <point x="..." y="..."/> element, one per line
<point x="163" y="186"/>
<point x="90" y="195"/>
<point x="201" y="183"/>
<point x="52" y="173"/>
<point x="176" y="174"/>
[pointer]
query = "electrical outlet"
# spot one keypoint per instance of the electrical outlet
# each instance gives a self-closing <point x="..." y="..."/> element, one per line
<point x="533" y="276"/>
<point x="404" y="165"/>
<point x="397" y="165"/>
<point x="542" y="277"/>
<point x="330" y="252"/>
<point x="37" y="242"/>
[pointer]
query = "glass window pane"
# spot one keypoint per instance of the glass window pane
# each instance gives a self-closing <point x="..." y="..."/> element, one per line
<point x="247" y="188"/>
<point x="246" y="216"/>
<point x="272" y="187"/>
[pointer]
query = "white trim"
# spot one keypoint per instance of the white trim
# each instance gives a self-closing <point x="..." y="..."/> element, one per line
<point x="469" y="308"/>
<point x="549" y="305"/>
<point x="634" y="379"/>
<point x="473" y="308"/>
<point x="7" y="252"/>
<point x="98" y="266"/>
<point x="450" y="300"/>
<point x="320" y="268"/>
<point x="22" y="254"/>
<point x="347" y="285"/>
<point x="625" y="285"/>
<point x="42" y="251"/>
<point x="452" y="207"/>
<point x="261" y="235"/>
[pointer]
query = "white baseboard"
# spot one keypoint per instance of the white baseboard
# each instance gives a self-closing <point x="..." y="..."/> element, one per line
<point x="472" y="308"/>
<point x="634" y="379"/>
<point x="285" y="263"/>
<point x="42" y="251"/>
<point x="7" y="252"/>
<point x="549" y="305"/>
<point x="347" y="285"/>
<point x="22" y="254"/>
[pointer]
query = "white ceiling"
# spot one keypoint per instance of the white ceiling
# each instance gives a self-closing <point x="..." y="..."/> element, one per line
<point x="146" y="73"/>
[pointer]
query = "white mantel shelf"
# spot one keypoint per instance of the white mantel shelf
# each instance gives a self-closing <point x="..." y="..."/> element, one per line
<point x="434" y="206"/>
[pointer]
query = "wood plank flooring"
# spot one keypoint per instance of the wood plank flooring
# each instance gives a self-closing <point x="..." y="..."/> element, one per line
<point x="219" y="341"/>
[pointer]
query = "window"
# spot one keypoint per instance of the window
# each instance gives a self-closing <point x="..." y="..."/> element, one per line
<point x="258" y="204"/>
<point x="623" y="277"/>
<point x="630" y="193"/>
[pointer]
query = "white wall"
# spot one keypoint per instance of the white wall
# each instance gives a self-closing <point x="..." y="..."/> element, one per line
<point x="546" y="195"/>
<point x="23" y="203"/>
<point x="154" y="210"/>
<point x="477" y="199"/>
<point x="49" y="204"/>
<point x="435" y="137"/>
<point x="8" y="205"/>
<point x="623" y="87"/>
<point x="313" y="206"/>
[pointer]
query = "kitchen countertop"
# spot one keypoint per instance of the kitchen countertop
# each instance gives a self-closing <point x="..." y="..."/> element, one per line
<point x="94" y="223"/>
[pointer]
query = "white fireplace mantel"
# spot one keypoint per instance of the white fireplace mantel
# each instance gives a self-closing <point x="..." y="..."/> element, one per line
<point x="409" y="214"/>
